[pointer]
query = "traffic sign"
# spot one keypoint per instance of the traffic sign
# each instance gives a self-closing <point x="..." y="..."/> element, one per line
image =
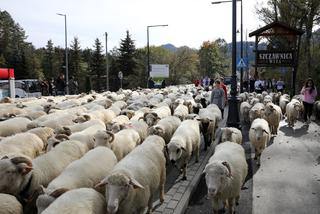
<point x="241" y="64"/>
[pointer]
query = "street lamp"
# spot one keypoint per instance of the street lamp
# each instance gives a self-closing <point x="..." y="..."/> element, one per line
<point x="241" y="43"/>
<point x="233" y="113"/>
<point x="148" y="50"/>
<point x="66" y="47"/>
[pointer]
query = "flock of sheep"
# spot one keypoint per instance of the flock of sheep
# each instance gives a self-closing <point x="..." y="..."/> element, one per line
<point x="108" y="152"/>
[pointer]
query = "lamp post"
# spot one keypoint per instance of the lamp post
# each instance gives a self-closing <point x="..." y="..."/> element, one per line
<point x="241" y="43"/>
<point x="148" y="50"/>
<point x="233" y="113"/>
<point x="107" y="63"/>
<point x="66" y="50"/>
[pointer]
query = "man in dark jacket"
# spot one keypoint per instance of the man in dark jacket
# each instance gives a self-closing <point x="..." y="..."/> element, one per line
<point x="61" y="85"/>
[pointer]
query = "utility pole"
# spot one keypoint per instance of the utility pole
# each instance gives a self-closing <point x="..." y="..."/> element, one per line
<point x="107" y="63"/>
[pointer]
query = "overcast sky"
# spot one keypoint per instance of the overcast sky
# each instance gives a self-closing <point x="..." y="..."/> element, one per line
<point x="190" y="21"/>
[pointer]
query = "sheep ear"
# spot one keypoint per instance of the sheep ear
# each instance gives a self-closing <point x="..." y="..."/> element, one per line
<point x="5" y="157"/>
<point x="226" y="164"/>
<point x="58" y="192"/>
<point x="55" y="144"/>
<point x="87" y="117"/>
<point x="101" y="183"/>
<point x="24" y="168"/>
<point x="135" y="184"/>
<point x="42" y="190"/>
<point x="265" y="131"/>
<point x="155" y="115"/>
<point x="183" y="149"/>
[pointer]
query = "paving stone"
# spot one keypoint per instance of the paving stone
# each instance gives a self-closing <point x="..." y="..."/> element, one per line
<point x="168" y="211"/>
<point x="181" y="189"/>
<point x="167" y="198"/>
<point x="177" y="196"/>
<point x="172" y="191"/>
<point x="185" y="183"/>
<point x="161" y="208"/>
<point x="172" y="204"/>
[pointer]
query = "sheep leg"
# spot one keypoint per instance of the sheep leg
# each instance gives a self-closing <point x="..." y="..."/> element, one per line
<point x="237" y="200"/>
<point x="231" y="205"/>
<point x="161" y="186"/>
<point x="197" y="154"/>
<point x="215" y="205"/>
<point x="184" y="171"/>
<point x="149" y="205"/>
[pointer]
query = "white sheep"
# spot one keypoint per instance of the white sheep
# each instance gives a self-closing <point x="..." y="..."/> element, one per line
<point x="181" y="111"/>
<point x="78" y="127"/>
<point x="121" y="143"/>
<point x="273" y="115"/>
<point x="283" y="101"/>
<point x="208" y="124"/>
<point x="85" y="172"/>
<point x="225" y="174"/>
<point x="44" y="133"/>
<point x="86" y="137"/>
<point x="13" y="126"/>
<point x="165" y="128"/>
<point x="136" y="178"/>
<point x="26" y="176"/>
<point x="104" y="115"/>
<point x="27" y="144"/>
<point x="257" y="111"/>
<point x="184" y="142"/>
<point x="83" y="200"/>
<point x="293" y="110"/>
<point x="10" y="205"/>
<point x="244" y="111"/>
<point x="55" y="122"/>
<point x="231" y="134"/>
<point x="259" y="136"/>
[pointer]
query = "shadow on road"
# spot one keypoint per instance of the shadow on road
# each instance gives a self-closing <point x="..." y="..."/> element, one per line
<point x="291" y="131"/>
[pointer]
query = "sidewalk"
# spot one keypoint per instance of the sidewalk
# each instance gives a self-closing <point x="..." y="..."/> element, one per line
<point x="177" y="198"/>
<point x="288" y="180"/>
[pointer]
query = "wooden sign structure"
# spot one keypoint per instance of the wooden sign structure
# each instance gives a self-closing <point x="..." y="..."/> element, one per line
<point x="282" y="50"/>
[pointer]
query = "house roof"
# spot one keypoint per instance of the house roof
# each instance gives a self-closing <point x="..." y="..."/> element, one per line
<point x="276" y="28"/>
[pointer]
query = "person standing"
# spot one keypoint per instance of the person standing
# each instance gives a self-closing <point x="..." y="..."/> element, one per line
<point x="61" y="85"/>
<point x="258" y="87"/>
<point x="150" y="83"/>
<point x="309" y="93"/>
<point x="206" y="83"/>
<point x="224" y="87"/>
<point x="217" y="96"/>
<point x="280" y="85"/>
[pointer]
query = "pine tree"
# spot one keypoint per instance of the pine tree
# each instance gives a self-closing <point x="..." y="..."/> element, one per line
<point x="98" y="63"/>
<point x="75" y="59"/>
<point x="47" y="63"/>
<point x="126" y="60"/>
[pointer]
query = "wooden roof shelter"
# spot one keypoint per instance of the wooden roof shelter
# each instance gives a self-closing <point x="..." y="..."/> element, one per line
<point x="283" y="52"/>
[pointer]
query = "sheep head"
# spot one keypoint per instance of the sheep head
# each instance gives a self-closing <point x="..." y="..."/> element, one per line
<point x="13" y="174"/>
<point x="175" y="151"/>
<point x="103" y="138"/>
<point x="217" y="174"/>
<point x="226" y="134"/>
<point x="118" y="187"/>
<point x="46" y="198"/>
<point x="151" y="118"/>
